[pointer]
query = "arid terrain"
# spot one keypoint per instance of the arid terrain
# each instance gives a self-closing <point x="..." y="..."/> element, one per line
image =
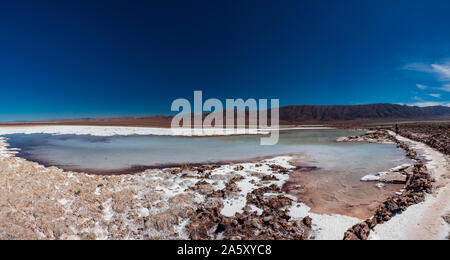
<point x="233" y="201"/>
<point x="434" y="134"/>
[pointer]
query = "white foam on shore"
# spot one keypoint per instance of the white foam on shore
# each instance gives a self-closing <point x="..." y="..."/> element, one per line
<point x="124" y="131"/>
<point x="324" y="227"/>
<point x="379" y="175"/>
<point x="342" y="139"/>
<point x="370" y="177"/>
<point x="400" y="167"/>
<point x="5" y="150"/>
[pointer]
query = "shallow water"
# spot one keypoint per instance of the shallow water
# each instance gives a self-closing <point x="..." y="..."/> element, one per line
<point x="119" y="153"/>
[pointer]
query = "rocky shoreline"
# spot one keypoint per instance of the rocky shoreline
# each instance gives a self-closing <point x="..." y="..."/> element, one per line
<point x="235" y="201"/>
<point x="434" y="135"/>
<point x="262" y="218"/>
<point x="418" y="183"/>
<point x="274" y="223"/>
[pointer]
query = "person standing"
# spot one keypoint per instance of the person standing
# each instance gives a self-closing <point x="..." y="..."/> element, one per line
<point x="396" y="129"/>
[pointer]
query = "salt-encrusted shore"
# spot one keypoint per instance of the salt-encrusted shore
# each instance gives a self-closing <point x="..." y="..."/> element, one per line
<point x="39" y="202"/>
<point x="429" y="219"/>
<point x="125" y="130"/>
<point x="122" y="130"/>
<point x="422" y="210"/>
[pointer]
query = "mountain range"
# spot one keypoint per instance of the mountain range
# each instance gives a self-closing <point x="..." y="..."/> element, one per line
<point x="289" y="115"/>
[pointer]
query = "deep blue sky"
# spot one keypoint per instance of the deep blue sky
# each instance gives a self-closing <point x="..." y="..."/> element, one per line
<point x="112" y="58"/>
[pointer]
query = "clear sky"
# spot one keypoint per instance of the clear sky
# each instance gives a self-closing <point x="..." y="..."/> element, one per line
<point x="112" y="58"/>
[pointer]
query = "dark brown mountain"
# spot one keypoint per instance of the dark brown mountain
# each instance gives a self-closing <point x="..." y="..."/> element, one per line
<point x="307" y="113"/>
<point x="289" y="115"/>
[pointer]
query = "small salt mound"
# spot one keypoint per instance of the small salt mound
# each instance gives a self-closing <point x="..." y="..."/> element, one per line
<point x="371" y="178"/>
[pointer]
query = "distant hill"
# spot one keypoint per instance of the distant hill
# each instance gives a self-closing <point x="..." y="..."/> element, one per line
<point x="311" y="113"/>
<point x="289" y="115"/>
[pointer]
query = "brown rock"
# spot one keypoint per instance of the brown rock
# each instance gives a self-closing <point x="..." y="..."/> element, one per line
<point x="446" y="218"/>
<point x="349" y="235"/>
<point x="277" y="168"/>
<point x="307" y="221"/>
<point x="391" y="206"/>
<point x="239" y="168"/>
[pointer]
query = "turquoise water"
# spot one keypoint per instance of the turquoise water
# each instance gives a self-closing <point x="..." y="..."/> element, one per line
<point x="118" y="153"/>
